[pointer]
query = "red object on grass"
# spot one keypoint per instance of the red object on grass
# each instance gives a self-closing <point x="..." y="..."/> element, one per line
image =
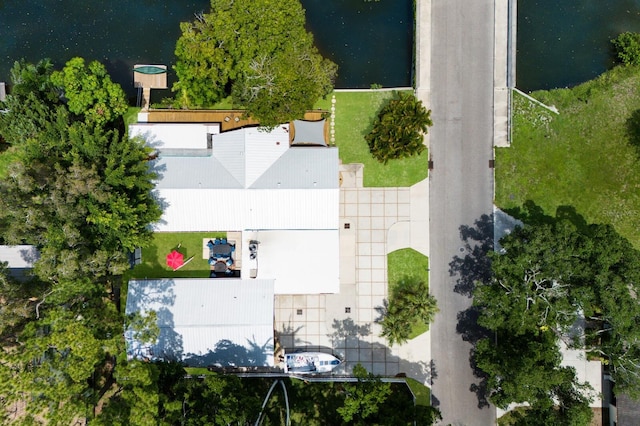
<point x="175" y="259"/>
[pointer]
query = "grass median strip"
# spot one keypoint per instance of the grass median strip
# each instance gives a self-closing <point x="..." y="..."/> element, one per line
<point x="408" y="263"/>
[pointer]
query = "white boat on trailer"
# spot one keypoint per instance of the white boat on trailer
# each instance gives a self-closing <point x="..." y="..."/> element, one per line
<point x="309" y="363"/>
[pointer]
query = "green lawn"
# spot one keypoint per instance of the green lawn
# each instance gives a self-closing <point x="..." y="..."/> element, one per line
<point x="421" y="392"/>
<point x="154" y="257"/>
<point x="408" y="262"/>
<point x="355" y="114"/>
<point x="586" y="158"/>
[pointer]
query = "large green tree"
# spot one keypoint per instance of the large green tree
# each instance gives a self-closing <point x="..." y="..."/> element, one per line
<point x="259" y="52"/>
<point x="89" y="91"/>
<point x="399" y="129"/>
<point x="81" y="192"/>
<point x="363" y="398"/>
<point x="79" y="189"/>
<point x="53" y="361"/>
<point x="555" y="274"/>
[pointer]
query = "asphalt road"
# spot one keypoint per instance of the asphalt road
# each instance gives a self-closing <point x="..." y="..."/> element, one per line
<point x="461" y="189"/>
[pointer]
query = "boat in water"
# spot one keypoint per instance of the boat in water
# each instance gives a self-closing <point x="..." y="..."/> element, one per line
<point x="309" y="363"/>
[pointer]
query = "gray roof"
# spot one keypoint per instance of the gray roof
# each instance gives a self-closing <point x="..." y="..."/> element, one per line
<point x="309" y="133"/>
<point x="248" y="158"/>
<point x="302" y="167"/>
<point x="194" y="172"/>
<point x="205" y="321"/>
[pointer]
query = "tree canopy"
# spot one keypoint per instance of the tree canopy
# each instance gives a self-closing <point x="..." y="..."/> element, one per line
<point x="559" y="282"/>
<point x="399" y="129"/>
<point x="363" y="398"/>
<point x="627" y="48"/>
<point x="258" y="52"/>
<point x="80" y="191"/>
<point x="89" y="91"/>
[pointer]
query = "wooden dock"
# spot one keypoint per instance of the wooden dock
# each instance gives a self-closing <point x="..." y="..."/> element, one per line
<point x="146" y="82"/>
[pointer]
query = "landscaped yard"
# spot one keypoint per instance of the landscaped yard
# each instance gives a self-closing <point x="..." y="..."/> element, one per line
<point x="587" y="158"/>
<point x="154" y="263"/>
<point x="408" y="263"/>
<point x="355" y="114"/>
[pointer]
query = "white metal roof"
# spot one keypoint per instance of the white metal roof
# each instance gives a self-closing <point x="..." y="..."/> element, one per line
<point x="175" y="135"/>
<point x="206" y="321"/>
<point x="193" y="210"/>
<point x="19" y="257"/>
<point x="302" y="262"/>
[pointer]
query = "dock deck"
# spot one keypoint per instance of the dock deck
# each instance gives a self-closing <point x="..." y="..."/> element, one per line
<point x="228" y="119"/>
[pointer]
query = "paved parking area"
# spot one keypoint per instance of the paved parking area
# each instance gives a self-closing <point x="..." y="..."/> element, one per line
<point x="344" y="323"/>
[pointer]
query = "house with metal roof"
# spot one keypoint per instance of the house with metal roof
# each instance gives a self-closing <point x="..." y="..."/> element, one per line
<point x="278" y="190"/>
<point x="203" y="322"/>
<point x="273" y="188"/>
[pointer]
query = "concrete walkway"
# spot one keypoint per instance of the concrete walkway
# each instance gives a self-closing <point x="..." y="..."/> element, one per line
<point x="374" y="222"/>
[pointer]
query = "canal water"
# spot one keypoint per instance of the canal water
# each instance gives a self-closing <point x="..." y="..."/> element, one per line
<point x="562" y="43"/>
<point x="371" y="41"/>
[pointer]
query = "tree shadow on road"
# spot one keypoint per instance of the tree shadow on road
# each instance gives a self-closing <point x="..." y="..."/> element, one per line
<point x="471" y="267"/>
<point x="473" y="264"/>
<point x="471" y="332"/>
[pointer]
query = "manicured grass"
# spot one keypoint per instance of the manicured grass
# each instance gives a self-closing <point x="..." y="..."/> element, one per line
<point x="198" y="371"/>
<point x="421" y="392"/>
<point x="355" y="115"/>
<point x="154" y="257"/>
<point x="586" y="158"/>
<point x="408" y="262"/>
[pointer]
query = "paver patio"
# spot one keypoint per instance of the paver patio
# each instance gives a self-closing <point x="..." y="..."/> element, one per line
<point x="344" y="323"/>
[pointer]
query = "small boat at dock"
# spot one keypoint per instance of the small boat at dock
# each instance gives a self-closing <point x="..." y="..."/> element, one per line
<point x="309" y="362"/>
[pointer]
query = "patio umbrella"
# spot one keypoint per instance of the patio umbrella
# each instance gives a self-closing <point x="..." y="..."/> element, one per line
<point x="175" y="259"/>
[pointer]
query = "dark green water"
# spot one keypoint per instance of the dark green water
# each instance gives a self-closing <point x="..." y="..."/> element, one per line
<point x="562" y="43"/>
<point x="370" y="41"/>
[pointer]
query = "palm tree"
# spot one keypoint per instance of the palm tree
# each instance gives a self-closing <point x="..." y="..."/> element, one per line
<point x="395" y="328"/>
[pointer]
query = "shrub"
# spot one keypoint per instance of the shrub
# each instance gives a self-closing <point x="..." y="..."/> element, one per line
<point x="627" y="47"/>
<point x="399" y="128"/>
